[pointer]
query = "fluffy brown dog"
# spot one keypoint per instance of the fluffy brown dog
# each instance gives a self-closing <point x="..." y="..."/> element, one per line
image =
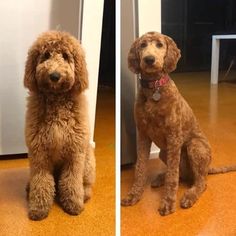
<point x="57" y="125"/>
<point x="163" y="116"/>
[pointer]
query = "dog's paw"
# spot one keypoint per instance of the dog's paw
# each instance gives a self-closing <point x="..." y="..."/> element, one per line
<point x="130" y="200"/>
<point x="86" y="197"/>
<point x="38" y="214"/>
<point x="87" y="193"/>
<point x="166" y="207"/>
<point x="188" y="200"/>
<point x="27" y="189"/>
<point x="158" y="181"/>
<point x="72" y="208"/>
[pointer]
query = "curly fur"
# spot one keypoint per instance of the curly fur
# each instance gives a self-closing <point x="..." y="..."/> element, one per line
<point x="57" y="125"/>
<point x="170" y="124"/>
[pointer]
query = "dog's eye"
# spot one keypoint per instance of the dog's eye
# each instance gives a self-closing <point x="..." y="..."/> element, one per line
<point x="65" y="56"/>
<point x="143" y="45"/>
<point x="46" y="56"/>
<point x="159" y="45"/>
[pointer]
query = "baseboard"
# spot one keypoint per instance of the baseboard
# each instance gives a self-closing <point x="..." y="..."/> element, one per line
<point x="154" y="154"/>
<point x="92" y="143"/>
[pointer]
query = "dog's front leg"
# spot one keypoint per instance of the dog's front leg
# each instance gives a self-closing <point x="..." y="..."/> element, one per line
<point x="70" y="185"/>
<point x="143" y="150"/>
<point x="41" y="188"/>
<point x="168" y="202"/>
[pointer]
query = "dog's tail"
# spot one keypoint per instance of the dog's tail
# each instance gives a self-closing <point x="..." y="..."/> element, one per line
<point x="221" y="170"/>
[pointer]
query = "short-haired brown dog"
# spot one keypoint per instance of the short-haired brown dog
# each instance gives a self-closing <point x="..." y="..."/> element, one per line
<point x="57" y="125"/>
<point x="164" y="117"/>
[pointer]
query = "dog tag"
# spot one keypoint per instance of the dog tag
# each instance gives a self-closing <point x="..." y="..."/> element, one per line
<point x="156" y="96"/>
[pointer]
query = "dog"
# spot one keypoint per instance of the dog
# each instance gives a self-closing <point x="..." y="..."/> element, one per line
<point x="57" y="125"/>
<point x="164" y="117"/>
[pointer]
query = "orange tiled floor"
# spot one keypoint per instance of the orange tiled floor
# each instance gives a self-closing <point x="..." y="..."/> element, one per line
<point x="215" y="213"/>
<point x="98" y="218"/>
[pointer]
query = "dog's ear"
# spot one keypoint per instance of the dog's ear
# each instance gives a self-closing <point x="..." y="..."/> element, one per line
<point x="81" y="73"/>
<point x="172" y="55"/>
<point x="133" y="58"/>
<point x="30" y="69"/>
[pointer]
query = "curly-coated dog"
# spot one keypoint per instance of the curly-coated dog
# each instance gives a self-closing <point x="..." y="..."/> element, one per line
<point x="57" y="125"/>
<point x="163" y="116"/>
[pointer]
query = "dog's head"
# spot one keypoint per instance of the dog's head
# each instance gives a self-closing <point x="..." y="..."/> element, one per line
<point x="56" y="64"/>
<point x="153" y="53"/>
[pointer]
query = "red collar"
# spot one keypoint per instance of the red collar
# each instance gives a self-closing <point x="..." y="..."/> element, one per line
<point x="154" y="83"/>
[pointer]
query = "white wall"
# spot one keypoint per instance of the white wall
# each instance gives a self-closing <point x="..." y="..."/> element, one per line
<point x="149" y="19"/>
<point x="19" y="26"/>
<point x="149" y="16"/>
<point x="91" y="40"/>
<point x="20" y="23"/>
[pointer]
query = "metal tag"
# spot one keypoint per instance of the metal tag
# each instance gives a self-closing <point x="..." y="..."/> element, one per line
<point x="156" y="96"/>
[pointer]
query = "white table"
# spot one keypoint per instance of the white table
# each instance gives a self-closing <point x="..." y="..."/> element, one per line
<point x="215" y="55"/>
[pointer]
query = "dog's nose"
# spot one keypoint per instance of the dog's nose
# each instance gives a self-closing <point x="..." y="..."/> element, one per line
<point x="55" y="76"/>
<point x="149" y="60"/>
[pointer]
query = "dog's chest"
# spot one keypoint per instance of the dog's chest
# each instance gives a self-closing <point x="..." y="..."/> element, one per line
<point x="150" y="114"/>
<point x="58" y="129"/>
<point x="151" y="119"/>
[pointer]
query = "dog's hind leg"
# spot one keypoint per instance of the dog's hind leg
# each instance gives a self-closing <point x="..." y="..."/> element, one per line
<point x="185" y="174"/>
<point x="199" y="155"/>
<point x="158" y="181"/>
<point x="89" y="173"/>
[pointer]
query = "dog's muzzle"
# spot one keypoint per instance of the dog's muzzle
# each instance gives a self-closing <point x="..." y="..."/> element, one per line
<point x="149" y="60"/>
<point x="55" y="76"/>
